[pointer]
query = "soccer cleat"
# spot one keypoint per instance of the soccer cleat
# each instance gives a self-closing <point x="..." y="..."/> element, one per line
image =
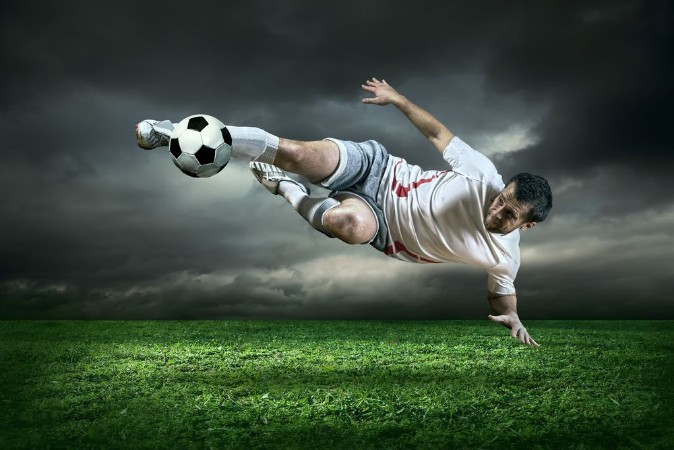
<point x="271" y="176"/>
<point x="153" y="133"/>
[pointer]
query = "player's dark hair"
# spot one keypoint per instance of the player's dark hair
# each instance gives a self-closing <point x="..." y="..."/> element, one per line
<point x="535" y="191"/>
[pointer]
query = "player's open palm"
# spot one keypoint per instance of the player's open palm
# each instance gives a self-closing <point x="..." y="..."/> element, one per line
<point x="517" y="330"/>
<point x="383" y="93"/>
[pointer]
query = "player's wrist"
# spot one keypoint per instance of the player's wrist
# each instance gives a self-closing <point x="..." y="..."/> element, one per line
<point x="401" y="102"/>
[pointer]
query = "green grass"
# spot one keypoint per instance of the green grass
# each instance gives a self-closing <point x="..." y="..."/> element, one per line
<point x="335" y="384"/>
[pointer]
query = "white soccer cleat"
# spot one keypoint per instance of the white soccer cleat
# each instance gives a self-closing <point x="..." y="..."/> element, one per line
<point x="271" y="176"/>
<point x="153" y="133"/>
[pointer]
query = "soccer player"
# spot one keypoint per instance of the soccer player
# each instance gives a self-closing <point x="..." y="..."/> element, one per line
<point x="464" y="214"/>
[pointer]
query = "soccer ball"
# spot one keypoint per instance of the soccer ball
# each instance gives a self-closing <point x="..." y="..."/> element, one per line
<point x="200" y="145"/>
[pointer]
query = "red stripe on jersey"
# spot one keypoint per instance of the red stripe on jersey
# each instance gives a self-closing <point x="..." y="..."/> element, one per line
<point x="398" y="247"/>
<point x="402" y="191"/>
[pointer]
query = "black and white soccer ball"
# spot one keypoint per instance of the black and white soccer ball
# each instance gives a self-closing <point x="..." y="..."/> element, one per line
<point x="200" y="145"/>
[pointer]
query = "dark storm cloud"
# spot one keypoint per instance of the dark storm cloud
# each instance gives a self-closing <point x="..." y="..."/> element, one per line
<point x="95" y="228"/>
<point x="601" y="66"/>
<point x="607" y="70"/>
<point x="277" y="51"/>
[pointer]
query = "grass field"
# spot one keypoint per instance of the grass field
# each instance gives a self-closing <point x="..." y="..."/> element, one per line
<point x="335" y="384"/>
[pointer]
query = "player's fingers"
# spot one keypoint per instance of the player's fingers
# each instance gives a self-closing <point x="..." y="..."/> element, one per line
<point x="376" y="80"/>
<point x="531" y="342"/>
<point x="370" y="83"/>
<point x="384" y="81"/>
<point x="524" y="336"/>
<point x="368" y="88"/>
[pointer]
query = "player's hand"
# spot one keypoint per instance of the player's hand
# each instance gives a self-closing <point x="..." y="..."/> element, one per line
<point x="383" y="93"/>
<point x="517" y="330"/>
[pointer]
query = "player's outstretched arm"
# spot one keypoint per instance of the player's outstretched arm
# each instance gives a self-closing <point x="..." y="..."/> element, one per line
<point x="504" y="308"/>
<point x="429" y="126"/>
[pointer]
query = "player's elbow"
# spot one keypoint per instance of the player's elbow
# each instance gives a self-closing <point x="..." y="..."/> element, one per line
<point x="441" y="138"/>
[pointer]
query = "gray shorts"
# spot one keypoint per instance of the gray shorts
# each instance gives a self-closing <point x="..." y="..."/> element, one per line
<point x="360" y="170"/>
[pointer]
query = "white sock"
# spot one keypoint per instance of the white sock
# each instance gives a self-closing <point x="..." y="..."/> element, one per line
<point x="253" y="143"/>
<point x="310" y="208"/>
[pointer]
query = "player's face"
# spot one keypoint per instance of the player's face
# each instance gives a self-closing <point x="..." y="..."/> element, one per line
<point x="506" y="214"/>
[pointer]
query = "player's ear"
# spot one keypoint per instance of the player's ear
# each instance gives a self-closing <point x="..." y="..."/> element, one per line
<point x="528" y="226"/>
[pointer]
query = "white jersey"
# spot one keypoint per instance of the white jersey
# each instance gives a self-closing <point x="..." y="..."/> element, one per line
<point x="438" y="216"/>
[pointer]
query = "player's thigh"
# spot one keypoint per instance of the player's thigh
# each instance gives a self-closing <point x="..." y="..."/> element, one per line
<point x="316" y="160"/>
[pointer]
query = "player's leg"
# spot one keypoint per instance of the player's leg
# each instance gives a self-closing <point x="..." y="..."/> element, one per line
<point x="351" y="220"/>
<point x="315" y="160"/>
<point x="344" y="216"/>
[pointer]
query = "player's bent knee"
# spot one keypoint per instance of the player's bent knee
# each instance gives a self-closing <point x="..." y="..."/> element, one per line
<point x="349" y="225"/>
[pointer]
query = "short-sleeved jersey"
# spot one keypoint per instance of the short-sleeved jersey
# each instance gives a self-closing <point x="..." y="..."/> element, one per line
<point x="438" y="216"/>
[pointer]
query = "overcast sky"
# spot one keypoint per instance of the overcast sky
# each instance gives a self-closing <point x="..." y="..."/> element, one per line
<point x="94" y="227"/>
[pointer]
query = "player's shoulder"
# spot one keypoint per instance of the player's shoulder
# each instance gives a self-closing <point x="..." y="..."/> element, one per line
<point x="467" y="161"/>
